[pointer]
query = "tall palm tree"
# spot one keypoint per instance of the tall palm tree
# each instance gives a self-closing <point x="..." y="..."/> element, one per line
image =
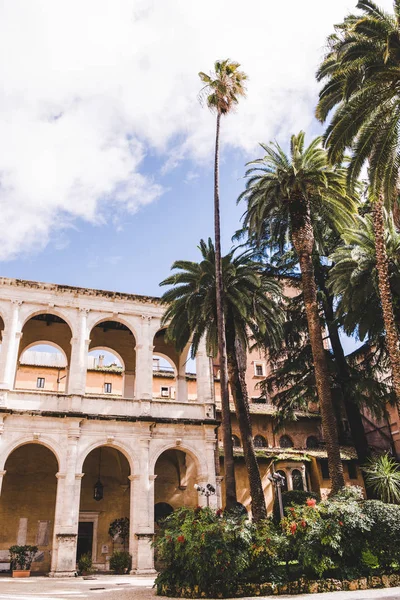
<point x="353" y="278"/>
<point x="361" y="83"/>
<point x="251" y="313"/>
<point x="222" y="90"/>
<point x="287" y="194"/>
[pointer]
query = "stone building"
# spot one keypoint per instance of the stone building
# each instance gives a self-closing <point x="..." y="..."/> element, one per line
<point x="83" y="442"/>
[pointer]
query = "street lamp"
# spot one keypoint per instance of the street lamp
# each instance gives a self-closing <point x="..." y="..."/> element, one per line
<point x="278" y="481"/>
<point x="207" y="491"/>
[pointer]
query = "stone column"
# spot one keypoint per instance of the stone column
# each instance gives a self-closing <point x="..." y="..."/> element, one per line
<point x="2" y="473"/>
<point x="66" y="519"/>
<point x="304" y="478"/>
<point x="79" y="353"/>
<point x="9" y="348"/>
<point x="205" y="380"/>
<point x="144" y="361"/>
<point x="210" y="458"/>
<point x="289" y="480"/>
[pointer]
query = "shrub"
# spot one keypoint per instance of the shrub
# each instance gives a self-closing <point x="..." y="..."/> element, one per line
<point x="290" y="498"/>
<point x="21" y="557"/>
<point x="119" y="528"/>
<point x="267" y="548"/>
<point x="120" y="562"/>
<point x="203" y="549"/>
<point x="382" y="475"/>
<point x="384" y="537"/>
<point x="85" y="563"/>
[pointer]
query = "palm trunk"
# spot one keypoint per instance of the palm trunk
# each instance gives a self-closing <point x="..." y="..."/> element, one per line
<point x="237" y="371"/>
<point x="382" y="266"/>
<point x="303" y="241"/>
<point x="352" y="410"/>
<point x="229" y="465"/>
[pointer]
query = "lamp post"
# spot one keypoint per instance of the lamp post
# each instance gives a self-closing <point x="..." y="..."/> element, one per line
<point x="278" y="481"/>
<point x="207" y="491"/>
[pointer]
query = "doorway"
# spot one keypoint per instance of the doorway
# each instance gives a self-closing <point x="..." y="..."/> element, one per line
<point x="85" y="538"/>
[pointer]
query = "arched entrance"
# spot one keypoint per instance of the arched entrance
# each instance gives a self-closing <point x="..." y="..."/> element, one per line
<point x="105" y="497"/>
<point x="176" y="476"/>
<point x="27" y="502"/>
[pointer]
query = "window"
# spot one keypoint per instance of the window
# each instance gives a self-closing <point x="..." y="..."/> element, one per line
<point x="236" y="441"/>
<point x="40" y="382"/>
<point x="285" y="442"/>
<point x="352" y="469"/>
<point x="259" y="369"/>
<point x="164" y="392"/>
<point x="324" y="468"/>
<point x="297" y="480"/>
<point x="260" y="441"/>
<point x="107" y="388"/>
<point x="312" y="442"/>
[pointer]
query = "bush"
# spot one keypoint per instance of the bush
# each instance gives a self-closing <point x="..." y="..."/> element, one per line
<point x="121" y="562"/>
<point x="85" y="563"/>
<point x="119" y="528"/>
<point x="21" y="557"/>
<point x="204" y="550"/>
<point x="290" y="498"/>
<point x="384" y="537"/>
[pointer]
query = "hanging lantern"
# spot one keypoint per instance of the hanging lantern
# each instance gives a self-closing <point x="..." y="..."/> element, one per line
<point x="98" y="490"/>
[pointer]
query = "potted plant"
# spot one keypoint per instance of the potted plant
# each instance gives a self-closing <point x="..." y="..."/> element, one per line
<point x="85" y="564"/>
<point x="21" y="558"/>
<point x="121" y="562"/>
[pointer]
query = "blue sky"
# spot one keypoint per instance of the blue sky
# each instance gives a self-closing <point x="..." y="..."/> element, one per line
<point x="105" y="153"/>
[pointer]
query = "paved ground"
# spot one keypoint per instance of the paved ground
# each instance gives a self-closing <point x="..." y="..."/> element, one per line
<point x="135" y="588"/>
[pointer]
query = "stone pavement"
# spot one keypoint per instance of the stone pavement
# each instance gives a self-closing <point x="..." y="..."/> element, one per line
<point x="117" y="587"/>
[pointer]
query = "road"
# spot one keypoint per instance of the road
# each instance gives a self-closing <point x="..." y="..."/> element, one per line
<point x="113" y="587"/>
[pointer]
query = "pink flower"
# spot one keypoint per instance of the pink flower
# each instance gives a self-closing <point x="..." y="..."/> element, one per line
<point x="311" y="502"/>
<point x="293" y="528"/>
<point x="181" y="539"/>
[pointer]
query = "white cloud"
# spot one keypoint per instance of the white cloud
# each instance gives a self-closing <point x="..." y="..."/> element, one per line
<point x="88" y="87"/>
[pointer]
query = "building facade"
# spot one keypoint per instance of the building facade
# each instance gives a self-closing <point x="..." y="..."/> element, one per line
<point x="83" y="443"/>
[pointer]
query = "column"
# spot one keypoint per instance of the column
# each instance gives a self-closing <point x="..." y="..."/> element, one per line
<point x="210" y="458"/>
<point x="304" y="478"/>
<point x="289" y="479"/>
<point x="142" y="514"/>
<point x="205" y="379"/>
<point x="10" y="347"/>
<point x="182" y="392"/>
<point x="2" y="473"/>
<point x="144" y="361"/>
<point x="67" y="514"/>
<point x="79" y="352"/>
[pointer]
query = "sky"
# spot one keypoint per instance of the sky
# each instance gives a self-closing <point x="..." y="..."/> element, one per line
<point x="106" y="155"/>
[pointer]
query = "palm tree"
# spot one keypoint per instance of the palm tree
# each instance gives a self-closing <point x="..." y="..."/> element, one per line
<point x="361" y="83"/>
<point x="250" y="311"/>
<point x="353" y="278"/>
<point x="287" y="194"/>
<point x="222" y="91"/>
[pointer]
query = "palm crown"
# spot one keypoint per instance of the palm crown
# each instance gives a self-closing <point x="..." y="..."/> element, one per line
<point x="281" y="189"/>
<point x="361" y="75"/>
<point x="250" y="301"/>
<point x="224" y="86"/>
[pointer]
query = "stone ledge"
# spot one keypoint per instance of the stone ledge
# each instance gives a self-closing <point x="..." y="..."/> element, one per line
<point x="302" y="586"/>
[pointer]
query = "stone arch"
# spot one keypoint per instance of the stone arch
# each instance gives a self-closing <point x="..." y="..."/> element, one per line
<point x="129" y="454"/>
<point x="285" y="441"/>
<point x="98" y="379"/>
<point x="45" y="441"/>
<point x="117" y="319"/>
<point x="119" y="337"/>
<point x="201" y="465"/>
<point x="57" y="312"/>
<point x="28" y="500"/>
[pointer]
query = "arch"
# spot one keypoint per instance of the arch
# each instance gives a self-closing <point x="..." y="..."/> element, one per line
<point x="297" y="480"/>
<point x="236" y="441"/>
<point x="198" y="459"/>
<point x="43" y="441"/>
<point x="162" y="510"/>
<point x="111" y="351"/>
<point x="168" y="359"/>
<point x="284" y="487"/>
<point x="129" y="454"/>
<point x="45" y="343"/>
<point x="260" y="441"/>
<point x="55" y="312"/>
<point x="285" y="441"/>
<point x="115" y="319"/>
<point x="312" y="442"/>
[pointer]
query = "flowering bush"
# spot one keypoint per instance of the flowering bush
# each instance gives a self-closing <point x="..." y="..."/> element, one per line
<point x="203" y="549"/>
